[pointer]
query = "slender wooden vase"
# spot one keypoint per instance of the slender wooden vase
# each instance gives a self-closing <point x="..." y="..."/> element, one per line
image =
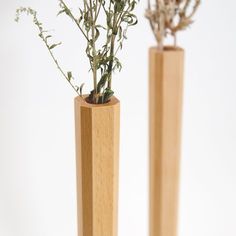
<point x="97" y="156"/>
<point x="165" y="89"/>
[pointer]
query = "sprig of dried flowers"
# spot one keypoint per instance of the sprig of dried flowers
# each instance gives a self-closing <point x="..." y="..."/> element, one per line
<point x="94" y="27"/>
<point x="167" y="17"/>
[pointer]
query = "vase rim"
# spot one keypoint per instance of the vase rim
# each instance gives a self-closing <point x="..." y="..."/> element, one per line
<point x="82" y="100"/>
<point x="168" y="48"/>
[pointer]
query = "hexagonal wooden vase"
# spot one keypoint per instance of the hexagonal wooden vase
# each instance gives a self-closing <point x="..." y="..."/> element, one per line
<point x="165" y="89"/>
<point x="97" y="157"/>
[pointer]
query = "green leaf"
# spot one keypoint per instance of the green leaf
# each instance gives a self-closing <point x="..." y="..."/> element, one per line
<point x="81" y="89"/>
<point x="100" y="26"/>
<point x="81" y="12"/>
<point x="60" y="12"/>
<point x="107" y="95"/>
<point x="69" y="75"/>
<point x="130" y="19"/>
<point x="49" y="36"/>
<point x="121" y="45"/>
<point x="133" y="5"/>
<point x="120" y="30"/>
<point x="54" y="45"/>
<point x="97" y="34"/>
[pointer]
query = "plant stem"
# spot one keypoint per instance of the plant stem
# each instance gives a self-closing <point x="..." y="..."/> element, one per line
<point x="187" y="2"/>
<point x="95" y="98"/>
<point x="110" y="66"/>
<point x="97" y="12"/>
<point x="195" y="7"/>
<point x="58" y="66"/>
<point x="113" y="37"/>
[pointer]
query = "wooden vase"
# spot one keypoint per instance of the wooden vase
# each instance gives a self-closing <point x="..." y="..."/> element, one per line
<point x="165" y="89"/>
<point x="97" y="158"/>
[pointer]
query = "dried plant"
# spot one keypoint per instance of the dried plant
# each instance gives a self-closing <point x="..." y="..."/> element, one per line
<point x="96" y="20"/>
<point x="167" y="17"/>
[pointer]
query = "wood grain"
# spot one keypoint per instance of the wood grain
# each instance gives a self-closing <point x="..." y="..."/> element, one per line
<point x="165" y="89"/>
<point x="97" y="156"/>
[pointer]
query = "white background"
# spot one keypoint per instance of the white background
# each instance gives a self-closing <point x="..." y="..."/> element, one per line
<point x="37" y="158"/>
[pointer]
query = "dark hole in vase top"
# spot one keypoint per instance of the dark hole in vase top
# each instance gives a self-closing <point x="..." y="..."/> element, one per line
<point x="87" y="99"/>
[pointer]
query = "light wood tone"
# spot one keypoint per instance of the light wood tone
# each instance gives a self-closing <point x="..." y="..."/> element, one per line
<point x="166" y="82"/>
<point x="97" y="151"/>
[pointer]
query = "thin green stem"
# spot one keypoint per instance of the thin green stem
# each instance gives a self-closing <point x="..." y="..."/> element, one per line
<point x="60" y="69"/>
<point x="97" y="13"/>
<point x="119" y="47"/>
<point x="113" y="37"/>
<point x="94" y="52"/>
<point x="41" y="34"/>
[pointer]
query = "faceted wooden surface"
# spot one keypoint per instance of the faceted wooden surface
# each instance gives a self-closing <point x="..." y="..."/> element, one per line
<point x="165" y="89"/>
<point x="97" y="155"/>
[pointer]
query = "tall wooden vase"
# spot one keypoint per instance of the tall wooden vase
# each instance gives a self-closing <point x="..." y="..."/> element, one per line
<point x="97" y="156"/>
<point x="165" y="89"/>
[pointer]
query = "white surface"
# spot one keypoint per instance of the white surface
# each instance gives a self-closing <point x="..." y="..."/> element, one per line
<point x="37" y="159"/>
